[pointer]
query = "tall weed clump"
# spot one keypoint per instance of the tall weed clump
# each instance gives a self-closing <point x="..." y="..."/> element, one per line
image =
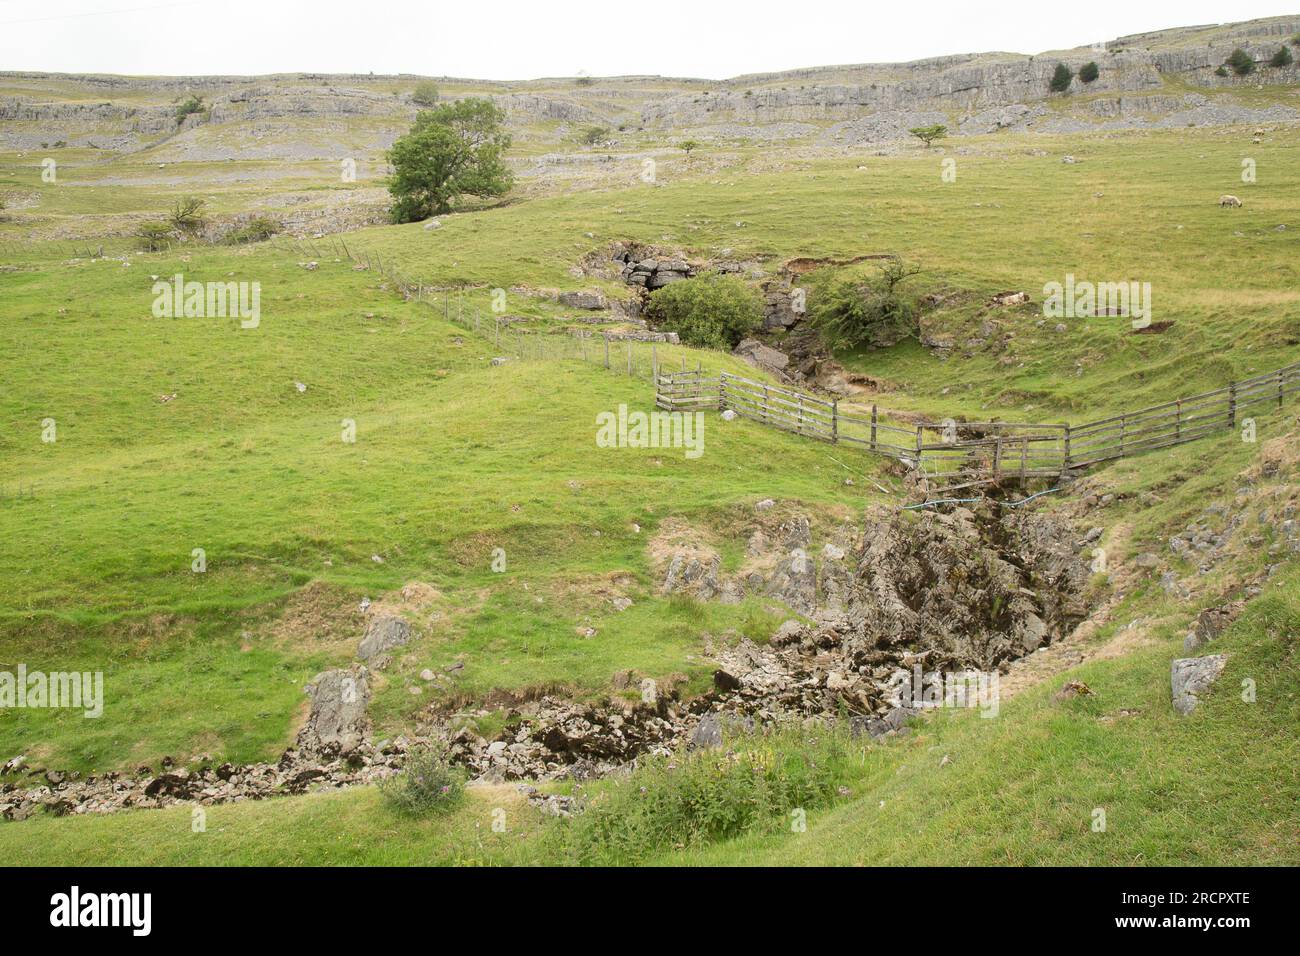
<point x="686" y="801"/>
<point x="427" y="785"/>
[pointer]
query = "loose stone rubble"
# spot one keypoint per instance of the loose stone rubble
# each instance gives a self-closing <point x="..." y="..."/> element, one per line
<point x="332" y="750"/>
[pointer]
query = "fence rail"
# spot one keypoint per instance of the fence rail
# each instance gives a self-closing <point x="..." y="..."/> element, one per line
<point x="951" y="451"/>
<point x="975" y="452"/>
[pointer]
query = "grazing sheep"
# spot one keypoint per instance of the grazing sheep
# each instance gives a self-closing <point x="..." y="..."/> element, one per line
<point x="1229" y="201"/>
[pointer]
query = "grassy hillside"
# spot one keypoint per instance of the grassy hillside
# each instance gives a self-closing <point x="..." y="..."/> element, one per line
<point x="1220" y="787"/>
<point x="183" y="434"/>
<point x="1135" y="207"/>
<point x="453" y="457"/>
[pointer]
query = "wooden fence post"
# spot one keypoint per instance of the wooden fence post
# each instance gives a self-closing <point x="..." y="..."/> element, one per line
<point x="1232" y="405"/>
<point x="835" y="421"/>
<point x="873" y="427"/>
<point x="1123" y="432"/>
<point x="722" y="391"/>
<point x="920" y="440"/>
<point x="766" y="402"/>
<point x="1178" y="420"/>
<point x="1281" y="390"/>
<point x="1065" y="465"/>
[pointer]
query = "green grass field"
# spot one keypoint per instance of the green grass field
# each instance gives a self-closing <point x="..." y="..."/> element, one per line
<point x="191" y="433"/>
<point x="1023" y="788"/>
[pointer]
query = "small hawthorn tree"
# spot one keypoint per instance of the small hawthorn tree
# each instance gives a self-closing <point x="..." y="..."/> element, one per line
<point x="1282" y="58"/>
<point x="193" y="104"/>
<point x="1089" y="72"/>
<point x="708" y="311"/>
<point x="425" y="94"/>
<point x="453" y="150"/>
<point x="928" y="134"/>
<point x="1061" y="78"/>
<point x="687" y="146"/>
<point x="187" y="214"/>
<point x="153" y="236"/>
<point x="594" y="135"/>
<point x="1241" y="62"/>
<point x="851" y="311"/>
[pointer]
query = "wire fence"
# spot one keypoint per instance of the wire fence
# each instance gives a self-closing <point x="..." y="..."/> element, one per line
<point x="621" y="353"/>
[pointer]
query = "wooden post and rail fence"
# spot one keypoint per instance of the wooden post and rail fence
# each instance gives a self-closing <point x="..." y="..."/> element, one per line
<point x="978" y="452"/>
<point x="970" y="452"/>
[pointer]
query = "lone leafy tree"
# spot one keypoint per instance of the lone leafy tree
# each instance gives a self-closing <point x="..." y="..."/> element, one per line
<point x="1061" y="78"/>
<point x="426" y="93"/>
<point x="928" y="134"/>
<point x="1242" y="63"/>
<point x="687" y="146"/>
<point x="1089" y="72"/>
<point x="1282" y="57"/>
<point x="453" y="150"/>
<point x="187" y="214"/>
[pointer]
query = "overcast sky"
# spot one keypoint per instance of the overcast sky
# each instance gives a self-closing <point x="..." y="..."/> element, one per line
<point x="510" y="39"/>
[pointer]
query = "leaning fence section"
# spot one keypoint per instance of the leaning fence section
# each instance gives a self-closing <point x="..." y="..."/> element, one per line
<point x="968" y="453"/>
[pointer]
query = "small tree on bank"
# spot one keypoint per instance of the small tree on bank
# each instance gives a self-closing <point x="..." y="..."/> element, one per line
<point x="709" y="311"/>
<point x="851" y="311"/>
<point x="454" y="150"/>
<point x="687" y="146"/>
<point x="426" y="93"/>
<point x="1089" y="72"/>
<point x="1242" y="63"/>
<point x="1061" y="78"/>
<point x="1282" y="58"/>
<point x="193" y="104"/>
<point x="928" y="134"/>
<point x="187" y="214"/>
